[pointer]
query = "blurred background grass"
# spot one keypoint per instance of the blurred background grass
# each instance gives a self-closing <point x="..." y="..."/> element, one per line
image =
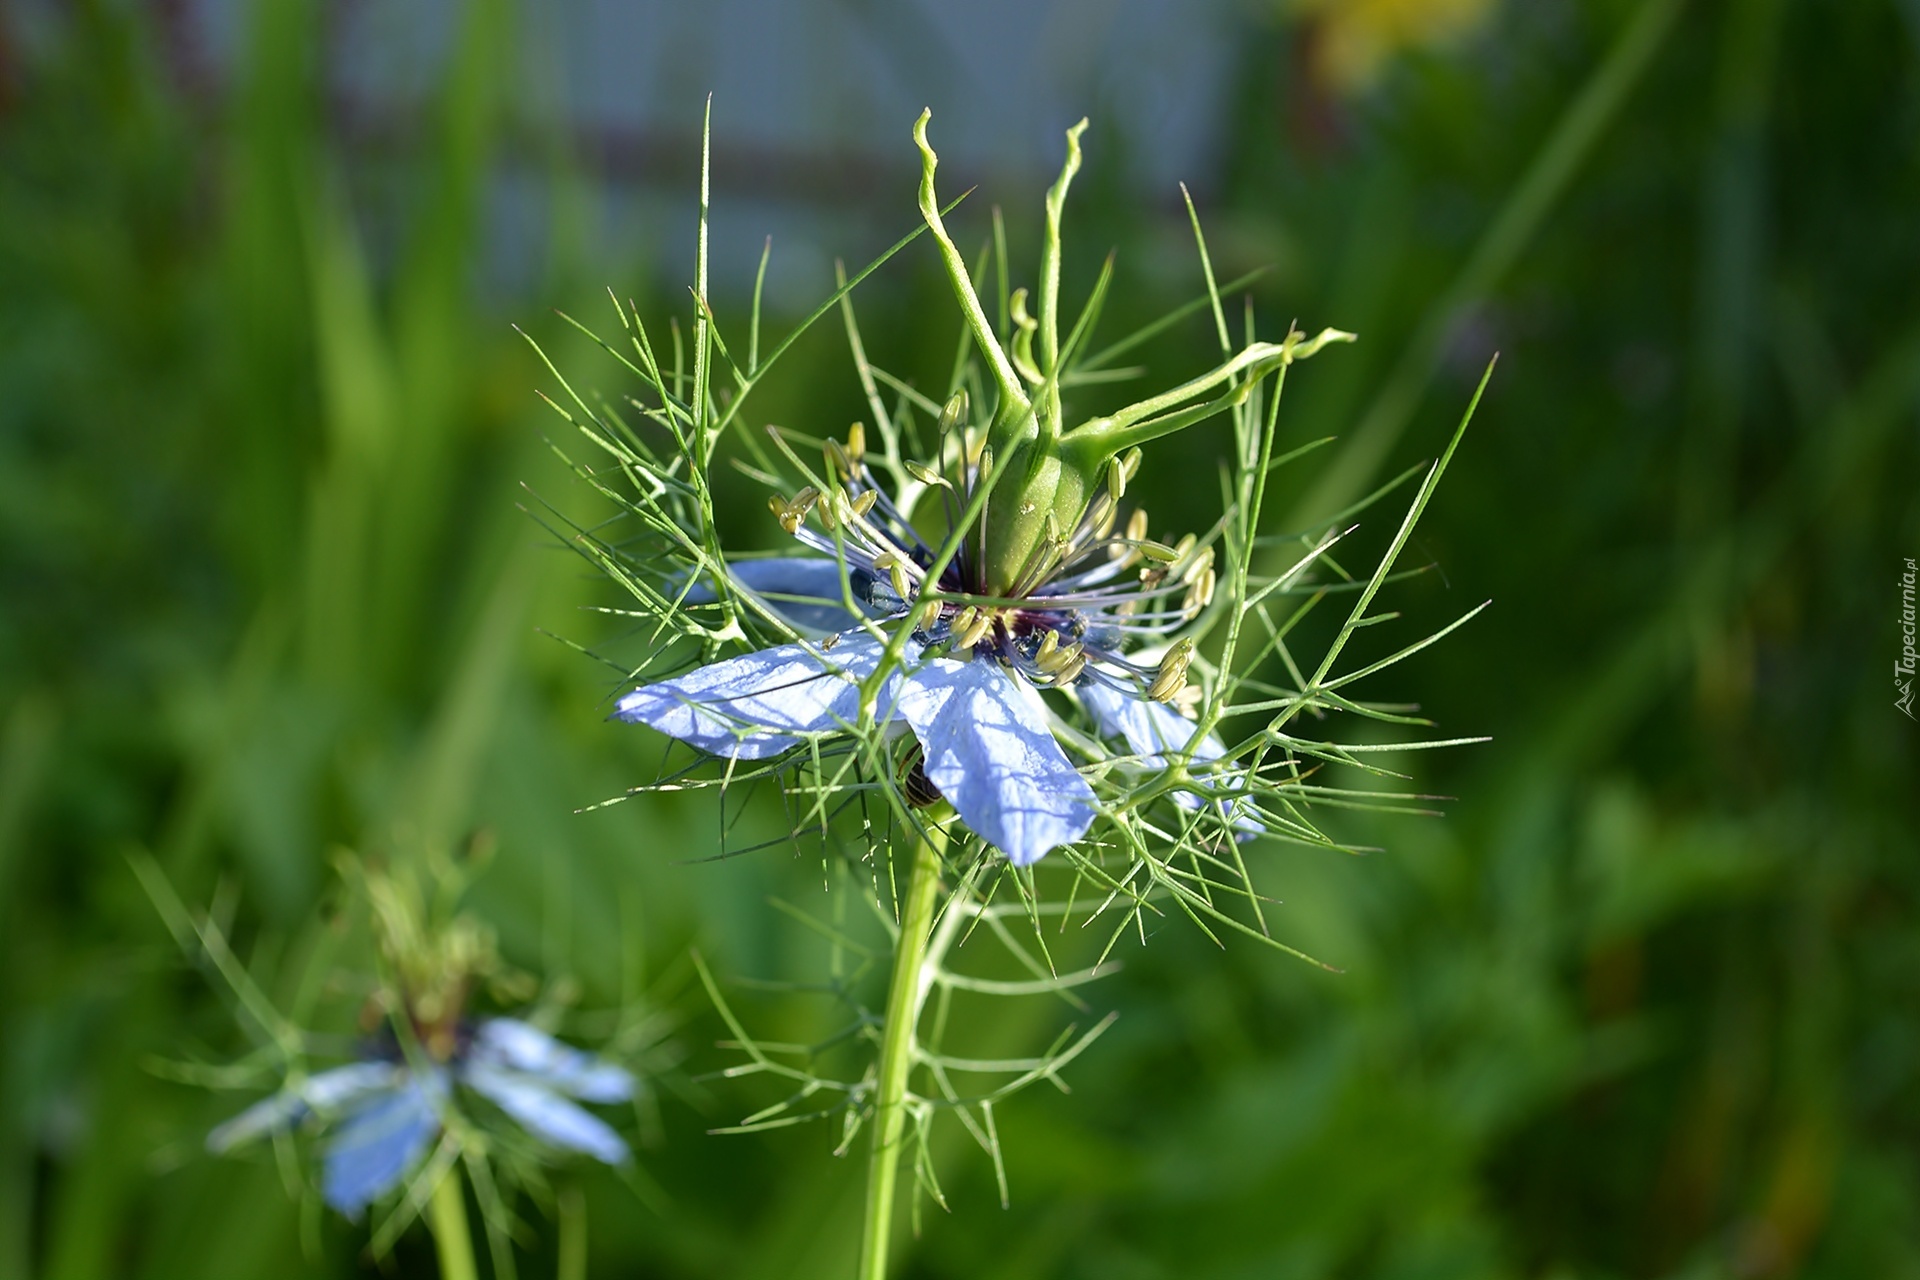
<point x="1646" y="1002"/>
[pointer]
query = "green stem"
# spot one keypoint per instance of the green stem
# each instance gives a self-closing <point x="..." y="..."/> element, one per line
<point x="572" y="1264"/>
<point x="447" y="1216"/>
<point x="896" y="1053"/>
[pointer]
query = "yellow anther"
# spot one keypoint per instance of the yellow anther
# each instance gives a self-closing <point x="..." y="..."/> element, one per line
<point x="1116" y="479"/>
<point x="1069" y="673"/>
<point x="1197" y="565"/>
<point x="963" y="619"/>
<point x="927" y="475"/>
<point x="791" y="514"/>
<point x="1159" y="552"/>
<point x="857" y="443"/>
<point x="1109" y="512"/>
<point x="864" y="502"/>
<point x="1099" y="512"/>
<point x="890" y="563"/>
<point x="1060" y="659"/>
<point x="1130" y="464"/>
<point x="1199" y="594"/>
<point x="837" y="459"/>
<point x="955" y="411"/>
<point x="1048" y="644"/>
<point x="1172" y="676"/>
<point x="975" y="632"/>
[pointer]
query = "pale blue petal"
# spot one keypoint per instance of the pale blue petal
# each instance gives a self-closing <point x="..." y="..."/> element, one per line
<point x="804" y="590"/>
<point x="992" y="755"/>
<point x="1153" y="728"/>
<point x="380" y="1143"/>
<point x="269" y="1115"/>
<point x="751" y="707"/>
<point x="328" y="1091"/>
<point x="508" y="1042"/>
<point x="1149" y="727"/>
<point x="545" y="1114"/>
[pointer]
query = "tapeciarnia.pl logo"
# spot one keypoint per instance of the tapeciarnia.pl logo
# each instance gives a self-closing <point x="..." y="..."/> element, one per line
<point x="1904" y="665"/>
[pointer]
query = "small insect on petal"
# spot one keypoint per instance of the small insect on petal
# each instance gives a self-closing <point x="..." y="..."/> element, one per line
<point x="916" y="786"/>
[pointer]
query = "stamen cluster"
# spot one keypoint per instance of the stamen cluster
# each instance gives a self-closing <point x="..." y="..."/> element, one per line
<point x="1077" y="603"/>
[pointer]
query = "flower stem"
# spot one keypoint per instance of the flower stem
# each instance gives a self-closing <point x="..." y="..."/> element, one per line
<point x="572" y="1205"/>
<point x="896" y="1053"/>
<point x="447" y="1215"/>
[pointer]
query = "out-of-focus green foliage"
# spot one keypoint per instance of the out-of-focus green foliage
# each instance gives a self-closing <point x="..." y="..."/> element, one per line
<point x="1642" y="1004"/>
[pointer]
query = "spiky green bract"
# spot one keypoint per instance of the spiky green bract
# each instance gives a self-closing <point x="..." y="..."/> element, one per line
<point x="1051" y="473"/>
<point x="1192" y="740"/>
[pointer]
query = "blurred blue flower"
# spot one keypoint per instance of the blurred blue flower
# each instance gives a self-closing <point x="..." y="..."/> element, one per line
<point x="969" y="682"/>
<point x="383" y="1113"/>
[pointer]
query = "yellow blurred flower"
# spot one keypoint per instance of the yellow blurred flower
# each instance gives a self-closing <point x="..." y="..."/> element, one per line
<point x="1355" y="39"/>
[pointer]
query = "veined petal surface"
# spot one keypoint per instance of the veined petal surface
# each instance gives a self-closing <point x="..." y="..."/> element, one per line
<point x="751" y="707"/>
<point x="545" y="1114"/>
<point x="989" y="749"/>
<point x="520" y="1046"/>
<point x="804" y="590"/>
<point x="380" y="1143"/>
<point x="328" y="1091"/>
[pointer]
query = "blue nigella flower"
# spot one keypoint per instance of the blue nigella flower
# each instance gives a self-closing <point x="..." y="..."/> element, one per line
<point x="383" y="1113"/>
<point x="969" y="685"/>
